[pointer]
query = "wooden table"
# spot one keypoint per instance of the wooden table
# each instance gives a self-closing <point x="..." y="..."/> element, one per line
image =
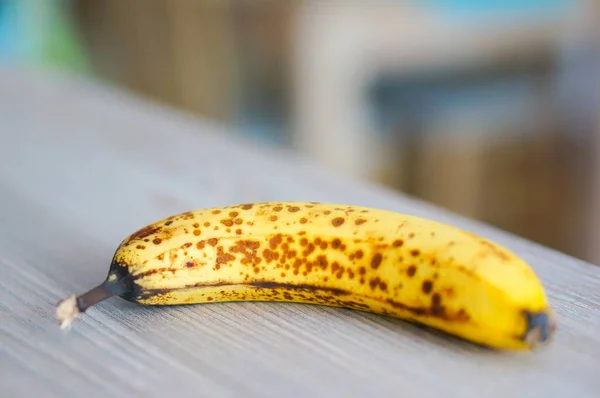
<point x="83" y="166"/>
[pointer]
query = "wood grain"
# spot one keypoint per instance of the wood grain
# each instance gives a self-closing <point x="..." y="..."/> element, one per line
<point x="82" y="166"/>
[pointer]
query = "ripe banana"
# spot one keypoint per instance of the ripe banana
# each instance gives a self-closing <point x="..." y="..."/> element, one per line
<point x="361" y="258"/>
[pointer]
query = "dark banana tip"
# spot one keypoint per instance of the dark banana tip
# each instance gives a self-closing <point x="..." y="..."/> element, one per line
<point x="71" y="307"/>
<point x="540" y="328"/>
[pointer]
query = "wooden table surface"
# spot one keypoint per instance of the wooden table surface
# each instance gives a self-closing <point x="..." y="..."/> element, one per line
<point x="82" y="166"/>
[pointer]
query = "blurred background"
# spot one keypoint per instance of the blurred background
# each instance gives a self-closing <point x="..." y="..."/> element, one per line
<point x="487" y="108"/>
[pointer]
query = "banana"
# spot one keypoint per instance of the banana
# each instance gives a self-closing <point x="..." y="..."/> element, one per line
<point x="367" y="259"/>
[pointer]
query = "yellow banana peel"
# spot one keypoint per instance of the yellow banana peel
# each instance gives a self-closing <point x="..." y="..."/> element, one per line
<point x="366" y="259"/>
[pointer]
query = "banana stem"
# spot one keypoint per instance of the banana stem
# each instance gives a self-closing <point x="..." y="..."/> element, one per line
<point x="73" y="306"/>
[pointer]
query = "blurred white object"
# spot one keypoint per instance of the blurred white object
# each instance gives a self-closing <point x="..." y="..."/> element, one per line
<point x="342" y="47"/>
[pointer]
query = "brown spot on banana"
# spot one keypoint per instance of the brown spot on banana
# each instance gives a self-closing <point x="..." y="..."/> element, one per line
<point x="154" y="271"/>
<point x="376" y="260"/>
<point x="291" y="286"/>
<point x="275" y="241"/>
<point x="143" y="233"/>
<point x="427" y="286"/>
<point x="338" y="221"/>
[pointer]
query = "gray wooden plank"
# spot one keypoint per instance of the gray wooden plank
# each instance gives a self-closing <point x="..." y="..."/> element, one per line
<point x="82" y="166"/>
